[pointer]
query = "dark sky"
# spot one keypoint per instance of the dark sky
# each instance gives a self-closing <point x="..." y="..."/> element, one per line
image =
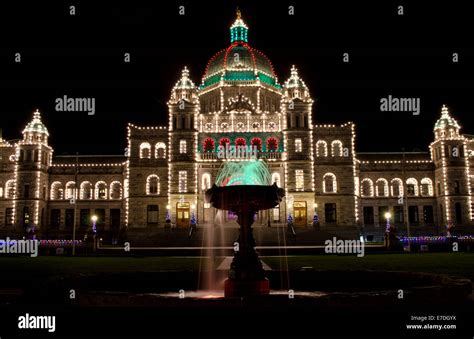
<point x="82" y="56"/>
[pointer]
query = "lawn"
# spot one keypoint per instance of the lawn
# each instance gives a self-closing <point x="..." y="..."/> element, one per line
<point x="461" y="264"/>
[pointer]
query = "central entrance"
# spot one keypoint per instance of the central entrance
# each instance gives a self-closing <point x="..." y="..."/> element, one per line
<point x="299" y="208"/>
<point x="182" y="214"/>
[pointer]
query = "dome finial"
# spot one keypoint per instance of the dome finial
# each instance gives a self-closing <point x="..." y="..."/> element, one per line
<point x="238" y="30"/>
<point x="444" y="110"/>
<point x="37" y="115"/>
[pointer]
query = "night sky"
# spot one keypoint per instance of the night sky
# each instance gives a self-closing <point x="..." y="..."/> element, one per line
<point x="82" y="56"/>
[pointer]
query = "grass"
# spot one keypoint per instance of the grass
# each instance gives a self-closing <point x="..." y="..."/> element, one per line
<point x="461" y="264"/>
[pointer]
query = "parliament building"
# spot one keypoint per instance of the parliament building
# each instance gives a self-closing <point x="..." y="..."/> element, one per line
<point x="239" y="102"/>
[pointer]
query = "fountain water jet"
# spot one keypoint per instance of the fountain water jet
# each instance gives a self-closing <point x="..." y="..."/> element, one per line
<point x="244" y="189"/>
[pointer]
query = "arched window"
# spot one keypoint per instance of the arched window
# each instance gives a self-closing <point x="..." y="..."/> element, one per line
<point x="329" y="183"/>
<point x="160" y="150"/>
<point x="426" y="187"/>
<point x="10" y="189"/>
<point x="321" y="148"/>
<point x="86" y="190"/>
<point x="1" y="191"/>
<point x="412" y="187"/>
<point x="381" y="187"/>
<point x="208" y="145"/>
<point x="336" y="148"/>
<point x="240" y="142"/>
<point x="57" y="192"/>
<point x="115" y="190"/>
<point x="257" y="142"/>
<point x="145" y="150"/>
<point x="100" y="190"/>
<point x="70" y="188"/>
<point x="224" y="142"/>
<point x="276" y="179"/>
<point x="397" y="187"/>
<point x="272" y="144"/>
<point x="152" y="185"/>
<point x="367" y="187"/>
<point x="205" y="181"/>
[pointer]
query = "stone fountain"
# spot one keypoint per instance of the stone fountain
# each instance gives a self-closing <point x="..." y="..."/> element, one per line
<point x="244" y="189"/>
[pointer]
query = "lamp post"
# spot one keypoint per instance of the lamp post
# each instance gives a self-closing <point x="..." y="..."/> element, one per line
<point x="94" y="229"/>
<point x="388" y="215"/>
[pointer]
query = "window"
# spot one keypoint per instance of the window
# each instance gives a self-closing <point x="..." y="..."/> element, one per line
<point x="439" y="188"/>
<point x="299" y="180"/>
<point x="240" y="126"/>
<point x="56" y="217"/>
<point x="381" y="187"/>
<point x="321" y="148"/>
<point x="1" y="192"/>
<point x="426" y="187"/>
<point x="256" y="142"/>
<point x="272" y="144"/>
<point x="115" y="218"/>
<point x="412" y="187"/>
<point x="458" y="212"/>
<point x="183" y="181"/>
<point x="115" y="190"/>
<point x="145" y="150"/>
<point x="160" y="150"/>
<point x="26" y="191"/>
<point x="56" y="191"/>
<point x="69" y="218"/>
<point x="329" y="183"/>
<point x="276" y="214"/>
<point x="182" y="147"/>
<point x="271" y="126"/>
<point x="70" y="188"/>
<point x="336" y="148"/>
<point x="298" y="145"/>
<point x="330" y="212"/>
<point x="205" y="181"/>
<point x="85" y="218"/>
<point x="398" y="217"/>
<point x="397" y="188"/>
<point x="9" y="216"/>
<point x="368" y="215"/>
<point x="153" y="185"/>
<point x="208" y="145"/>
<point x="382" y="211"/>
<point x="276" y="179"/>
<point x="413" y="215"/>
<point x="152" y="214"/>
<point x="86" y="190"/>
<point x="101" y="190"/>
<point x="10" y="189"/>
<point x="367" y="188"/>
<point x="428" y="215"/>
<point x="457" y="189"/>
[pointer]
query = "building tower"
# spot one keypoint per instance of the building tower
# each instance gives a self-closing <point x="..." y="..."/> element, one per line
<point x="182" y="167"/>
<point x="298" y="145"/>
<point x="33" y="158"/>
<point x="452" y="179"/>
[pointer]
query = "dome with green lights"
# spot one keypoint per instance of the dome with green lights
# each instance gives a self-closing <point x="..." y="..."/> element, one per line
<point x="36" y="125"/>
<point x="239" y="63"/>
<point x="446" y="121"/>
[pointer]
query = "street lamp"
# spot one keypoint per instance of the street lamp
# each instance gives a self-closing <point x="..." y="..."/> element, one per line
<point x="94" y="229"/>
<point x="388" y="215"/>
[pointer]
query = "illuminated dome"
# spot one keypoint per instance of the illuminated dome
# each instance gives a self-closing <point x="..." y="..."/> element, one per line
<point x="36" y="125"/>
<point x="239" y="62"/>
<point x="446" y="120"/>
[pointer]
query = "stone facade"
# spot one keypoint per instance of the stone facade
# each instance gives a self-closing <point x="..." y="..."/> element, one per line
<point x="167" y="169"/>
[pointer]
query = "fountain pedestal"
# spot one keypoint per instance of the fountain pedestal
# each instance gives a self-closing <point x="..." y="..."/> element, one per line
<point x="246" y="275"/>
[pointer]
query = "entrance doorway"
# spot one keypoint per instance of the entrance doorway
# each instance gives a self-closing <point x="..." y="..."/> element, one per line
<point x="182" y="214"/>
<point x="299" y="208"/>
